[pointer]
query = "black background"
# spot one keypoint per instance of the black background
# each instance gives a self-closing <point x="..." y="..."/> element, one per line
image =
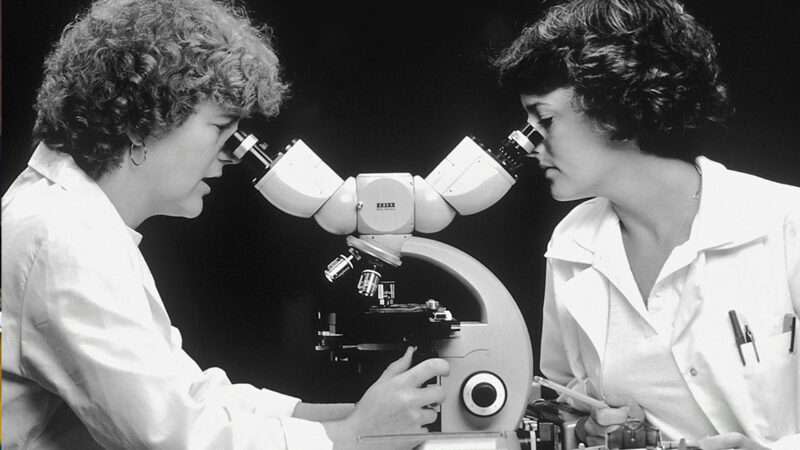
<point x="384" y="88"/>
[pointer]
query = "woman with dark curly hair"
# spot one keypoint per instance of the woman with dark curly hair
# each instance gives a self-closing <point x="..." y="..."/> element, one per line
<point x="673" y="293"/>
<point x="137" y="100"/>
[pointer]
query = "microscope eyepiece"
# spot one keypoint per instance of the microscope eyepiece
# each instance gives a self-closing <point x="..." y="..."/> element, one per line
<point x="251" y="151"/>
<point x="517" y="146"/>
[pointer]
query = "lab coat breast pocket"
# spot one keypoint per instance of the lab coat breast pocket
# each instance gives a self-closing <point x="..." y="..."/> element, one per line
<point x="772" y="384"/>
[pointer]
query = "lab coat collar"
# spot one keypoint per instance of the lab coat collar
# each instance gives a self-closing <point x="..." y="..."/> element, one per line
<point x="61" y="169"/>
<point x="734" y="210"/>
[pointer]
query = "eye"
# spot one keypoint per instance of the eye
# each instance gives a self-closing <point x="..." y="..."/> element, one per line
<point x="546" y="122"/>
<point x="222" y="127"/>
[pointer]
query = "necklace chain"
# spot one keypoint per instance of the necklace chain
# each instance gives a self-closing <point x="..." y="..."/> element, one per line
<point x="699" y="190"/>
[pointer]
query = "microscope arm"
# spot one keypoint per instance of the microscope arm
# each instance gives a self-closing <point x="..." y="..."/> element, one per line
<point x="504" y="348"/>
<point x="492" y="358"/>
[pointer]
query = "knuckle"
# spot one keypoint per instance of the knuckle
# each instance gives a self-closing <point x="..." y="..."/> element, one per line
<point x="435" y="366"/>
<point x="428" y="416"/>
<point x="441" y="366"/>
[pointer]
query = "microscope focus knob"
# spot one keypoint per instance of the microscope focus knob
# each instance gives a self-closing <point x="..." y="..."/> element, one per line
<point x="483" y="394"/>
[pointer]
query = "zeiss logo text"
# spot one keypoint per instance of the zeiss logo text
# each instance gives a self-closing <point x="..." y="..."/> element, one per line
<point x="385" y="205"/>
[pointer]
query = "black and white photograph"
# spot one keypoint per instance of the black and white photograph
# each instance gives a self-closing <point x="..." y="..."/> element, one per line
<point x="522" y="225"/>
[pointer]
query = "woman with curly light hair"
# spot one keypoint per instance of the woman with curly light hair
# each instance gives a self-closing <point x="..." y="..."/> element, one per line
<point x="137" y="100"/>
<point x="673" y="293"/>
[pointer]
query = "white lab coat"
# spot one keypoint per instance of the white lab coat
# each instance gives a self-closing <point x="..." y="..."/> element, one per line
<point x="744" y="255"/>
<point x="89" y="354"/>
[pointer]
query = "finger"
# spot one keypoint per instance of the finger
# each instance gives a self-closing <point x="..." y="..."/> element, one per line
<point x="635" y="412"/>
<point x="729" y="441"/>
<point x="426" y="370"/>
<point x="400" y="365"/>
<point x="429" y="395"/>
<point x="592" y="428"/>
<point x="427" y="416"/>
<point x="610" y="416"/>
<point x="593" y="441"/>
<point x="722" y="441"/>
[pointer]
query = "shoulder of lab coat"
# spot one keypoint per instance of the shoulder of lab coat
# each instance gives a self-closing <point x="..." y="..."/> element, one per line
<point x="90" y="326"/>
<point x="735" y="208"/>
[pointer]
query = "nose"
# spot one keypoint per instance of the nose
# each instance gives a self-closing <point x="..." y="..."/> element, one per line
<point x="539" y="149"/>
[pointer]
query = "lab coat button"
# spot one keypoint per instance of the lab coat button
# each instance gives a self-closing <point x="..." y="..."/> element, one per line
<point x="693" y="372"/>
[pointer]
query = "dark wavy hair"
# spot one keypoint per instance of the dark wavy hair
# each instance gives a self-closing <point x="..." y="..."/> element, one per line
<point x="139" y="67"/>
<point x="643" y="69"/>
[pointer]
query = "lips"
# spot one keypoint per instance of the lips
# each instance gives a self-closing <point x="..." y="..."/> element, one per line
<point x="211" y="182"/>
<point x="549" y="171"/>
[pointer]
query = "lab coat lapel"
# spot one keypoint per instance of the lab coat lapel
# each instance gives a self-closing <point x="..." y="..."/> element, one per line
<point x="586" y="298"/>
<point x="157" y="309"/>
<point x="611" y="260"/>
<point x="691" y="298"/>
<point x="595" y="239"/>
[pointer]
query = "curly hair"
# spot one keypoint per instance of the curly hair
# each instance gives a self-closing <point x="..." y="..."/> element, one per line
<point x="643" y="69"/>
<point x="139" y="67"/>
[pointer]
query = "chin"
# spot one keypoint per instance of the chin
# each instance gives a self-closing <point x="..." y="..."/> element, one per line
<point x="189" y="209"/>
<point x="558" y="195"/>
<point x="561" y="196"/>
<point x="193" y="214"/>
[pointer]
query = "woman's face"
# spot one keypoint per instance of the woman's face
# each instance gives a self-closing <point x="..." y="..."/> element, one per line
<point x="178" y="161"/>
<point x="577" y="156"/>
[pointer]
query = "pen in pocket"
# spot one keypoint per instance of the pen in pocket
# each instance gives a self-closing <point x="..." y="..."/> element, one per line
<point x="749" y="337"/>
<point x="738" y="336"/>
<point x="790" y="325"/>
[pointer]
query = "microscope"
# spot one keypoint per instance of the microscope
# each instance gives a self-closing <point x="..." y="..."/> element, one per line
<point x="491" y="358"/>
<point x="491" y="402"/>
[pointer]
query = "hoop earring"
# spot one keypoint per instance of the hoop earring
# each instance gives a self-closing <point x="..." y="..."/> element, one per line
<point x="144" y="153"/>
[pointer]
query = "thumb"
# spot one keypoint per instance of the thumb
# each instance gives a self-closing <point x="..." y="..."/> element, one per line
<point x="400" y="365"/>
<point x="635" y="412"/>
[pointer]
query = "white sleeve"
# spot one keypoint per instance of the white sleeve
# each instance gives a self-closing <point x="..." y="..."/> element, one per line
<point x="89" y="337"/>
<point x="791" y="442"/>
<point x="792" y="238"/>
